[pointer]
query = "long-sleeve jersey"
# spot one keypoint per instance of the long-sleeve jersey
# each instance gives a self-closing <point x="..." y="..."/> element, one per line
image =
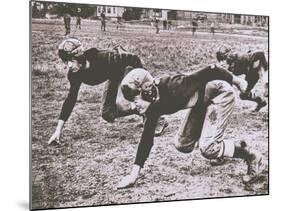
<point x="97" y="67"/>
<point x="175" y="92"/>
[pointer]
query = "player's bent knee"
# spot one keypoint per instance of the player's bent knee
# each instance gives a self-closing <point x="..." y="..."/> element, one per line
<point x="108" y="115"/>
<point x="186" y="147"/>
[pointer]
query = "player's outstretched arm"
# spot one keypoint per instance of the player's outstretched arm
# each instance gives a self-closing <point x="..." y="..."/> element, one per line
<point x="143" y="151"/>
<point x="56" y="135"/>
<point x="66" y="110"/>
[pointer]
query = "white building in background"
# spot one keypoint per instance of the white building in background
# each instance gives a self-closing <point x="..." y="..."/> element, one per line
<point x="254" y="20"/>
<point x="154" y="13"/>
<point x="110" y="11"/>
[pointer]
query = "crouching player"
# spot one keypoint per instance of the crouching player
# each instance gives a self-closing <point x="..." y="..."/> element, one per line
<point x="209" y="99"/>
<point x="252" y="64"/>
<point x="92" y="67"/>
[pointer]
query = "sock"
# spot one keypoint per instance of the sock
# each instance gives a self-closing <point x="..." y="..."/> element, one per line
<point x="228" y="150"/>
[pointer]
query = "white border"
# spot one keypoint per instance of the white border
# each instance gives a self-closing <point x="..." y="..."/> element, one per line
<point x="14" y="86"/>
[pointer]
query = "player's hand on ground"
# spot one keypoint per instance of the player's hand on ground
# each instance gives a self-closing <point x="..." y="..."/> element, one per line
<point x="55" y="138"/>
<point x="127" y="181"/>
<point x="130" y="180"/>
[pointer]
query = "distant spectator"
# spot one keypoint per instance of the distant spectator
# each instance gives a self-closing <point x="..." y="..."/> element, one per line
<point x="157" y="26"/>
<point x="78" y="19"/>
<point x="67" y="20"/>
<point x="103" y="18"/>
<point x="213" y="28"/>
<point x="164" y="24"/>
<point x="169" y="25"/>
<point x="118" y="22"/>
<point x="194" y="26"/>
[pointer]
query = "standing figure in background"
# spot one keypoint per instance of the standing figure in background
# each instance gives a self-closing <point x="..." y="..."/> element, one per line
<point x="118" y="23"/>
<point x="169" y="25"/>
<point x="213" y="28"/>
<point x="78" y="19"/>
<point x="164" y="24"/>
<point x="67" y="20"/>
<point x="157" y="26"/>
<point x="194" y="26"/>
<point x="103" y="21"/>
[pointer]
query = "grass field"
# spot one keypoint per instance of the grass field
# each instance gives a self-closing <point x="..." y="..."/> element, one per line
<point x="94" y="155"/>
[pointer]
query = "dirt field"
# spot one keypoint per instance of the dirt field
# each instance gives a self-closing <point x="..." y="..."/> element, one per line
<point x="94" y="155"/>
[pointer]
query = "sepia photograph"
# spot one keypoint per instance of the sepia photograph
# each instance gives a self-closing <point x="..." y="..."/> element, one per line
<point x="135" y="105"/>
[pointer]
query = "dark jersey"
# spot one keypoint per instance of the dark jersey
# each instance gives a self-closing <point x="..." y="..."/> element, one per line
<point x="175" y="92"/>
<point x="194" y="24"/>
<point x="97" y="67"/>
<point x="102" y="17"/>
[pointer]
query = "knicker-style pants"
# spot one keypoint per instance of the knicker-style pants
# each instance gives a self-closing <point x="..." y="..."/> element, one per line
<point x="207" y="120"/>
